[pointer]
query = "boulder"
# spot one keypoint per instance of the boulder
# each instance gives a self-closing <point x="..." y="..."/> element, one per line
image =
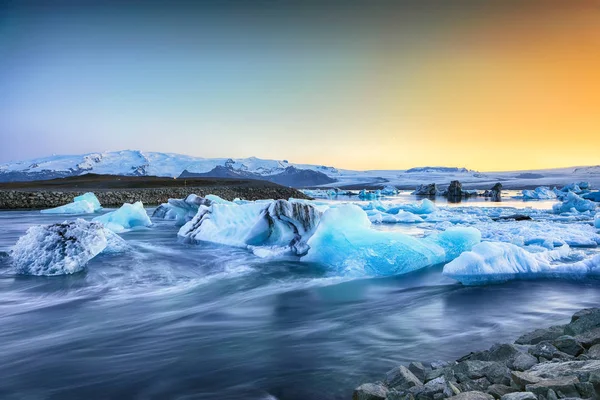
<point x="508" y="354"/>
<point x="522" y="379"/>
<point x="583" y="370"/>
<point x="401" y="378"/>
<point x="418" y="370"/>
<point x="569" y="345"/>
<point x="497" y="390"/>
<point x="481" y="384"/>
<point x="473" y="395"/>
<point x="594" y="352"/>
<point x="589" y="338"/>
<point x="565" y="386"/>
<point x="544" y="350"/>
<point x="519" y="396"/>
<point x="495" y="372"/>
<point x="541" y="335"/>
<point x="583" y="321"/>
<point x="370" y="391"/>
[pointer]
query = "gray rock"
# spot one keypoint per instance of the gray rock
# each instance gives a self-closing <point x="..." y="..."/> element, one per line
<point x="589" y="338"/>
<point x="583" y="370"/>
<point x="401" y="378"/>
<point x="585" y="390"/>
<point x="544" y="350"/>
<point x="495" y="372"/>
<point x="551" y="395"/>
<point x="446" y="372"/>
<point x="474" y="395"/>
<point x="418" y="370"/>
<point x="564" y="385"/>
<point x="370" y="391"/>
<point x="583" y="321"/>
<point x="540" y="335"/>
<point x="481" y="385"/>
<point x="569" y="345"/>
<point x="497" y="391"/>
<point x="522" y="379"/>
<point x="522" y="362"/>
<point x="594" y="351"/>
<point x="439" y="364"/>
<point x="519" y="396"/>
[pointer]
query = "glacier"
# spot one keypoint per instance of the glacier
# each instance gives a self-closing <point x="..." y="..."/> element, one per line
<point x="59" y="249"/>
<point x="490" y="262"/>
<point x="84" y="204"/>
<point x="127" y="217"/>
<point x="573" y="203"/>
<point x="345" y="242"/>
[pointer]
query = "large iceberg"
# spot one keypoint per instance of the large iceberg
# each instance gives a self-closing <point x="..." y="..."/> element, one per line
<point x="181" y="210"/>
<point x="280" y="224"/>
<point x="127" y="217"/>
<point x="58" y="249"/>
<point x="345" y="242"/>
<point x="85" y="204"/>
<point x="573" y="203"/>
<point x="540" y="193"/>
<point x="499" y="262"/>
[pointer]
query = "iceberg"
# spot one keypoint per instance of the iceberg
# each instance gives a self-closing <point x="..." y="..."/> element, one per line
<point x="539" y="193"/>
<point x="593" y="196"/>
<point x="181" y="210"/>
<point x="345" y="242"/>
<point x="424" y="206"/>
<point x="576" y="187"/>
<point x="59" y="249"/>
<point x="389" y="191"/>
<point x="597" y="221"/>
<point x="400" y="217"/>
<point x="127" y="217"/>
<point x="500" y="262"/>
<point x="573" y="203"/>
<point x="278" y="224"/>
<point x="369" y="195"/>
<point x="85" y="204"/>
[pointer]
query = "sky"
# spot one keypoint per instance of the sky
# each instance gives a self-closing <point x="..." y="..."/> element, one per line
<point x="489" y="85"/>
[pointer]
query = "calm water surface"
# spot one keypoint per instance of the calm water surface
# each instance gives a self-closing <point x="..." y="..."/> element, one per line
<point x="173" y="321"/>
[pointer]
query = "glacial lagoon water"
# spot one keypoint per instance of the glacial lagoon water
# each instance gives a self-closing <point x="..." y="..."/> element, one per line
<point x="168" y="320"/>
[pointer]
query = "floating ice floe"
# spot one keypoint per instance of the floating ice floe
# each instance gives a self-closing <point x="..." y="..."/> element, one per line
<point x="85" y="204"/>
<point x="539" y="193"/>
<point x="597" y="221"/>
<point x="548" y="234"/>
<point x="60" y="249"/>
<point x="181" y="210"/>
<point x="573" y="203"/>
<point x="345" y="242"/>
<point x="127" y="217"/>
<point x="280" y="225"/>
<point x="499" y="262"/>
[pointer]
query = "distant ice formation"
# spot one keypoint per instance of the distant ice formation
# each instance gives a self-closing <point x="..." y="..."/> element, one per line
<point x="573" y="203"/>
<point x="540" y="193"/>
<point x="59" y="249"/>
<point x="499" y="262"/>
<point x="345" y="242"/>
<point x="127" y="217"/>
<point x="85" y="204"/>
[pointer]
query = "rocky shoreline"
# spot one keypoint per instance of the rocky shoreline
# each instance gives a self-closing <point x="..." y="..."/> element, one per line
<point x="39" y="199"/>
<point x="559" y="362"/>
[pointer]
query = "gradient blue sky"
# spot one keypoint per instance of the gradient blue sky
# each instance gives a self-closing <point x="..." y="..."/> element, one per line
<point x="320" y="83"/>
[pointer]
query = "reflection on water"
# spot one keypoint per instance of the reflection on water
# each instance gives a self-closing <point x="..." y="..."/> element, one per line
<point x="170" y="320"/>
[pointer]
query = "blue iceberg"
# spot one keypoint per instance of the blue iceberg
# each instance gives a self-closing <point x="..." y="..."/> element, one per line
<point x="127" y="217"/>
<point x="85" y="204"/>
<point x="573" y="203"/>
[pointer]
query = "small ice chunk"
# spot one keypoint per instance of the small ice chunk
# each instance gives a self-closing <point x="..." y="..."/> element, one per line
<point x="597" y="221"/>
<point x="85" y="204"/>
<point x="127" y="217"/>
<point x="58" y="249"/>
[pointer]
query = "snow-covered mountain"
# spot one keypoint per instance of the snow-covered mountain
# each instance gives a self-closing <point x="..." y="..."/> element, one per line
<point x="134" y="162"/>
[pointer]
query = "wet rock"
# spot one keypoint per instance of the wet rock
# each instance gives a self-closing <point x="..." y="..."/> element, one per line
<point x="519" y="396"/>
<point x="497" y="390"/>
<point x="583" y="370"/>
<point x="594" y="351"/>
<point x="370" y="391"/>
<point x="439" y="364"/>
<point x="401" y="378"/>
<point x="583" y="321"/>
<point x="435" y="387"/>
<point x="508" y="354"/>
<point x="473" y="395"/>
<point x="586" y="390"/>
<point x="481" y="384"/>
<point x="418" y="370"/>
<point x="544" y="350"/>
<point x="446" y="372"/>
<point x="589" y="338"/>
<point x="541" y="335"/>
<point x="564" y="385"/>
<point x="495" y="372"/>
<point x="569" y="345"/>
<point x="522" y="379"/>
